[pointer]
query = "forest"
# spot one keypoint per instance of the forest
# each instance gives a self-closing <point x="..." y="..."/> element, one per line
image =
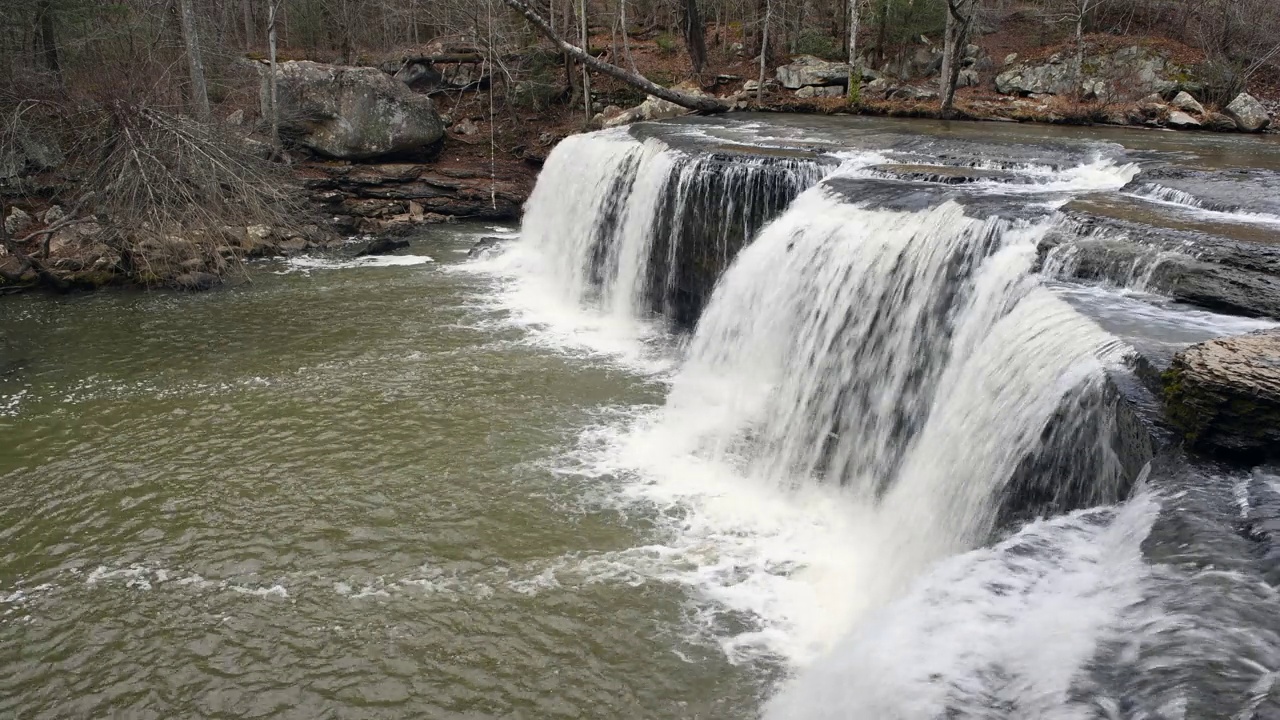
<point x="129" y="100"/>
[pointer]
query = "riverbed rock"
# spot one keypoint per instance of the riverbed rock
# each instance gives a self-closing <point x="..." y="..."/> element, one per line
<point x="1180" y="120"/>
<point x="1224" y="396"/>
<point x="378" y="192"/>
<point x="353" y="113"/>
<point x="196" y="281"/>
<point x="1248" y="114"/>
<point x="1220" y="123"/>
<point x="809" y="71"/>
<point x="382" y="246"/>
<point x="1184" y="102"/>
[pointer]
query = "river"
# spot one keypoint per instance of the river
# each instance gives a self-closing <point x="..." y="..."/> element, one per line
<point x="525" y="485"/>
<point x="333" y="492"/>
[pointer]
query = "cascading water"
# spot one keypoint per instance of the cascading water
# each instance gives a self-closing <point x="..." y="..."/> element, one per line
<point x="880" y="402"/>
<point x="609" y="220"/>
<point x="909" y="357"/>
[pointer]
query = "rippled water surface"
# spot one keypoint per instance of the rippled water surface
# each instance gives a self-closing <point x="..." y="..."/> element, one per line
<point x="332" y="492"/>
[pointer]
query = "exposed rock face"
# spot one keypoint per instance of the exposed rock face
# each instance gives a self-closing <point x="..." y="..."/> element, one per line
<point x="1224" y="396"/>
<point x="353" y="113"/>
<point x="375" y="198"/>
<point x="1248" y="114"/>
<point x="1130" y="72"/>
<point x="809" y="71"/>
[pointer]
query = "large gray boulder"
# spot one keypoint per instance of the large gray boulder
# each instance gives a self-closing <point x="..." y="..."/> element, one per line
<point x="352" y="113"/>
<point x="809" y="71"/>
<point x="1224" y="396"/>
<point x="1249" y="114"/>
<point x="1184" y="102"/>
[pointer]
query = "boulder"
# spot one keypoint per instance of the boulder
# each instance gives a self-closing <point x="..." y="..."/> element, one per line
<point x="17" y="221"/>
<point x="807" y="70"/>
<point x="1223" y="396"/>
<point x="196" y="281"/>
<point x="382" y="246"/>
<point x="967" y="78"/>
<point x="810" y="91"/>
<point x="1184" y="102"/>
<point x="353" y="113"/>
<point x="908" y="92"/>
<point x="1248" y="114"/>
<point x="880" y="87"/>
<point x="1179" y="120"/>
<point x="1220" y="123"/>
<point x="1010" y="59"/>
<point x="654" y="108"/>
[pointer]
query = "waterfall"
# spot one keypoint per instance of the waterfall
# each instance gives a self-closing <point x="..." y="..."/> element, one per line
<point x="634" y="228"/>
<point x="909" y="357"/>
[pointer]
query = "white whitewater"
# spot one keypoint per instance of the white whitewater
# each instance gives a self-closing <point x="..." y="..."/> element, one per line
<point x="906" y="361"/>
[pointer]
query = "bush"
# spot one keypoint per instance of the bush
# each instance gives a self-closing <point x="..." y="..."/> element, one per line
<point x="666" y="43"/>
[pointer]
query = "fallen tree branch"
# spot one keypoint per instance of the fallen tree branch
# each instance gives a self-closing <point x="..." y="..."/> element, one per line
<point x="693" y="102"/>
<point x="462" y="58"/>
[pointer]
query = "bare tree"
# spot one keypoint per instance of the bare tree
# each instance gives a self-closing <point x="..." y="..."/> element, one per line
<point x="855" y="67"/>
<point x="695" y="41"/>
<point x="273" y="82"/>
<point x="195" y="61"/>
<point x="586" y="45"/>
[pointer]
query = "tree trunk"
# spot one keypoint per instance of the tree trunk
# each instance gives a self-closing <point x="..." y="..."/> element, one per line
<point x="693" y="102"/>
<point x="47" y="39"/>
<point x="959" y="18"/>
<point x="695" y="41"/>
<point x="855" y="68"/>
<point x="1083" y="8"/>
<point x="764" y="47"/>
<point x="274" y="85"/>
<point x="191" y="39"/>
<point x="626" y="34"/>
<point x="246" y="8"/>
<point x="586" y="45"/>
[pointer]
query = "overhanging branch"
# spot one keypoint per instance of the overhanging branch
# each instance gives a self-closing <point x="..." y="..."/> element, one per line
<point x="693" y="102"/>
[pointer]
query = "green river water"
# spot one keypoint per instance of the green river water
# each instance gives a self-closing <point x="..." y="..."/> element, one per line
<point x="325" y="494"/>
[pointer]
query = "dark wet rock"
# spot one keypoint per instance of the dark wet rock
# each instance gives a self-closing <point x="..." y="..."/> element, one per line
<point x="354" y="113"/>
<point x="485" y="247"/>
<point x="196" y="281"/>
<point x="383" y="246"/>
<point x="1224" y="396"/>
<point x="1248" y="114"/>
<point x="365" y="197"/>
<point x="1090" y="453"/>
<point x="1214" y="272"/>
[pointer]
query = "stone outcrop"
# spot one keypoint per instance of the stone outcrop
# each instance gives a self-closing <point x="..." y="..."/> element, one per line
<point x="353" y="113"/>
<point x="397" y="196"/>
<point x="809" y="71"/>
<point x="1128" y="73"/>
<point x="1248" y="114"/>
<point x="1224" y="396"/>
